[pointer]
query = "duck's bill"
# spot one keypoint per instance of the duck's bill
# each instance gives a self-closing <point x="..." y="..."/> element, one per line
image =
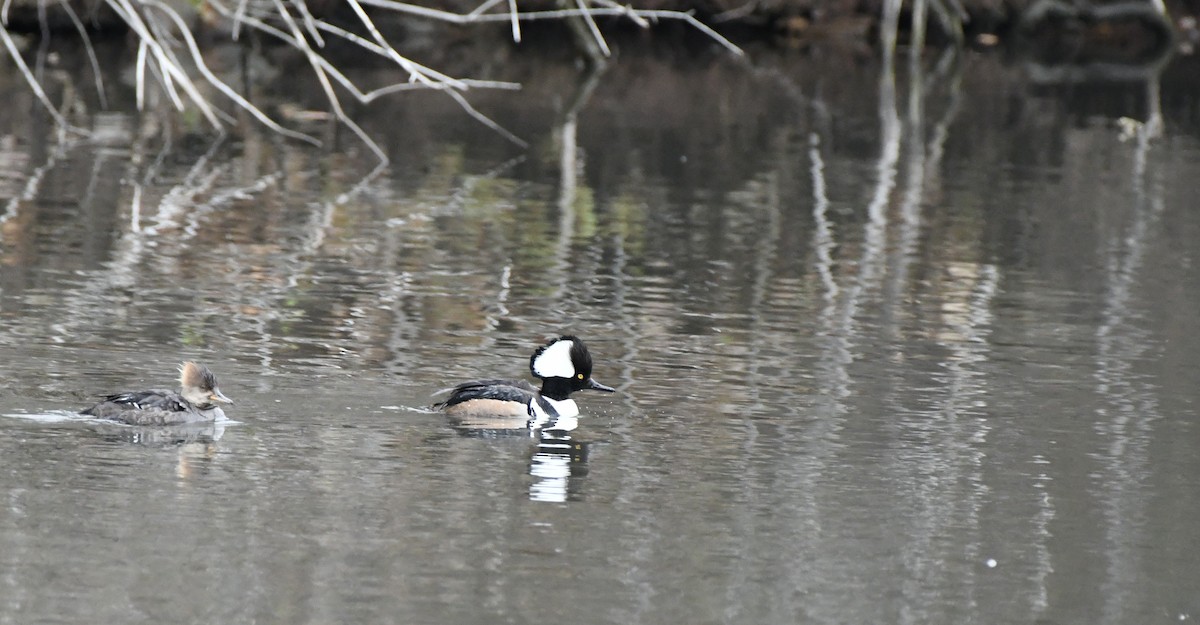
<point x="596" y="386"/>
<point x="219" y="397"/>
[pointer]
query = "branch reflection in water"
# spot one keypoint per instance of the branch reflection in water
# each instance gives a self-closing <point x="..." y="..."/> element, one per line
<point x="896" y="347"/>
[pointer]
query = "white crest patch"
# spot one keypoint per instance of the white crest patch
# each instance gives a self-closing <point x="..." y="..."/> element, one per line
<point x="555" y="361"/>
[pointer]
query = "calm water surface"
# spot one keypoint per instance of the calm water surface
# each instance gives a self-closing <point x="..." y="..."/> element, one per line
<point x="908" y="351"/>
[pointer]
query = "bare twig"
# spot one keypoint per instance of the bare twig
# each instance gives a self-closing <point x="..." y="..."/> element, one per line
<point x="485" y="6"/>
<point x="140" y="76"/>
<point x="483" y="119"/>
<point x="238" y="16"/>
<point x="595" y="30"/>
<point x="167" y="55"/>
<point x="91" y="52"/>
<point x="309" y="22"/>
<point x="626" y="11"/>
<point x="313" y="57"/>
<point x="516" y="22"/>
<point x="171" y="72"/>
<point x="33" y="83"/>
<point x="416" y="71"/>
<point x="422" y="76"/>
<point x="162" y="34"/>
<point x="390" y="89"/>
<point x="474" y="18"/>
<point x="213" y="80"/>
<point x="429" y="79"/>
<point x="359" y="95"/>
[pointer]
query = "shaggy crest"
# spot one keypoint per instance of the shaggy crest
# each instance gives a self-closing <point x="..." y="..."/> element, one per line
<point x="196" y="376"/>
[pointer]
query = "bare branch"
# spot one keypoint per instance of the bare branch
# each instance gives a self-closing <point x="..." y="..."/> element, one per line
<point x="309" y="22"/>
<point x="218" y="83"/>
<point x="425" y="77"/>
<point x="140" y="75"/>
<point x="591" y="23"/>
<point x="163" y="36"/>
<point x="238" y="16"/>
<point x="627" y="11"/>
<point x="171" y="72"/>
<point x="416" y="71"/>
<point x="485" y="6"/>
<point x="475" y="18"/>
<point x="483" y="119"/>
<point x="313" y="59"/>
<point x="91" y="52"/>
<point x="516" y="22"/>
<point x="33" y="83"/>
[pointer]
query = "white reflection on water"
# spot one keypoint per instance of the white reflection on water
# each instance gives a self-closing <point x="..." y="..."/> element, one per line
<point x="50" y="416"/>
<point x="1127" y="416"/>
<point x="144" y="434"/>
<point x="818" y="425"/>
<point x="1041" y="529"/>
<point x="556" y="461"/>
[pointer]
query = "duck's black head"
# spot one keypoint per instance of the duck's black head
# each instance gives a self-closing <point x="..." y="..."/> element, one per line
<point x="564" y="365"/>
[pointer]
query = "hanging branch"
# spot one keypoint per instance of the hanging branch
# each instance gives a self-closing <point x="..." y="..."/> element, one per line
<point x="220" y="85"/>
<point x="159" y="39"/>
<point x="33" y="83"/>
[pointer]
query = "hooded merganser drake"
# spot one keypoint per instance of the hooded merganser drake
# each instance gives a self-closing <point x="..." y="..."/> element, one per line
<point x="563" y="365"/>
<point x="195" y="402"/>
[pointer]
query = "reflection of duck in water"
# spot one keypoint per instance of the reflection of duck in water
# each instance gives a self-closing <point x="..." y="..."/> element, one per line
<point x="555" y="461"/>
<point x="563" y="365"/>
<point x="195" y="402"/>
<point x="193" y="440"/>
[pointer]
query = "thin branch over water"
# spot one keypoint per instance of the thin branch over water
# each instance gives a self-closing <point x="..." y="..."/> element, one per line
<point x="181" y="76"/>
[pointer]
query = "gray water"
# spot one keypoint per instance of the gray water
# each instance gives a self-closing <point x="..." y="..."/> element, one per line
<point x="908" y="350"/>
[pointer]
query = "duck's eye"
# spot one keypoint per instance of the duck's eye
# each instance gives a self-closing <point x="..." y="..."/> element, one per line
<point x="580" y="376"/>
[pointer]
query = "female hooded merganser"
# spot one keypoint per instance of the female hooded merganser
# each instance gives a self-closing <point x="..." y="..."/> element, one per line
<point x="563" y="365"/>
<point x="195" y="402"/>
